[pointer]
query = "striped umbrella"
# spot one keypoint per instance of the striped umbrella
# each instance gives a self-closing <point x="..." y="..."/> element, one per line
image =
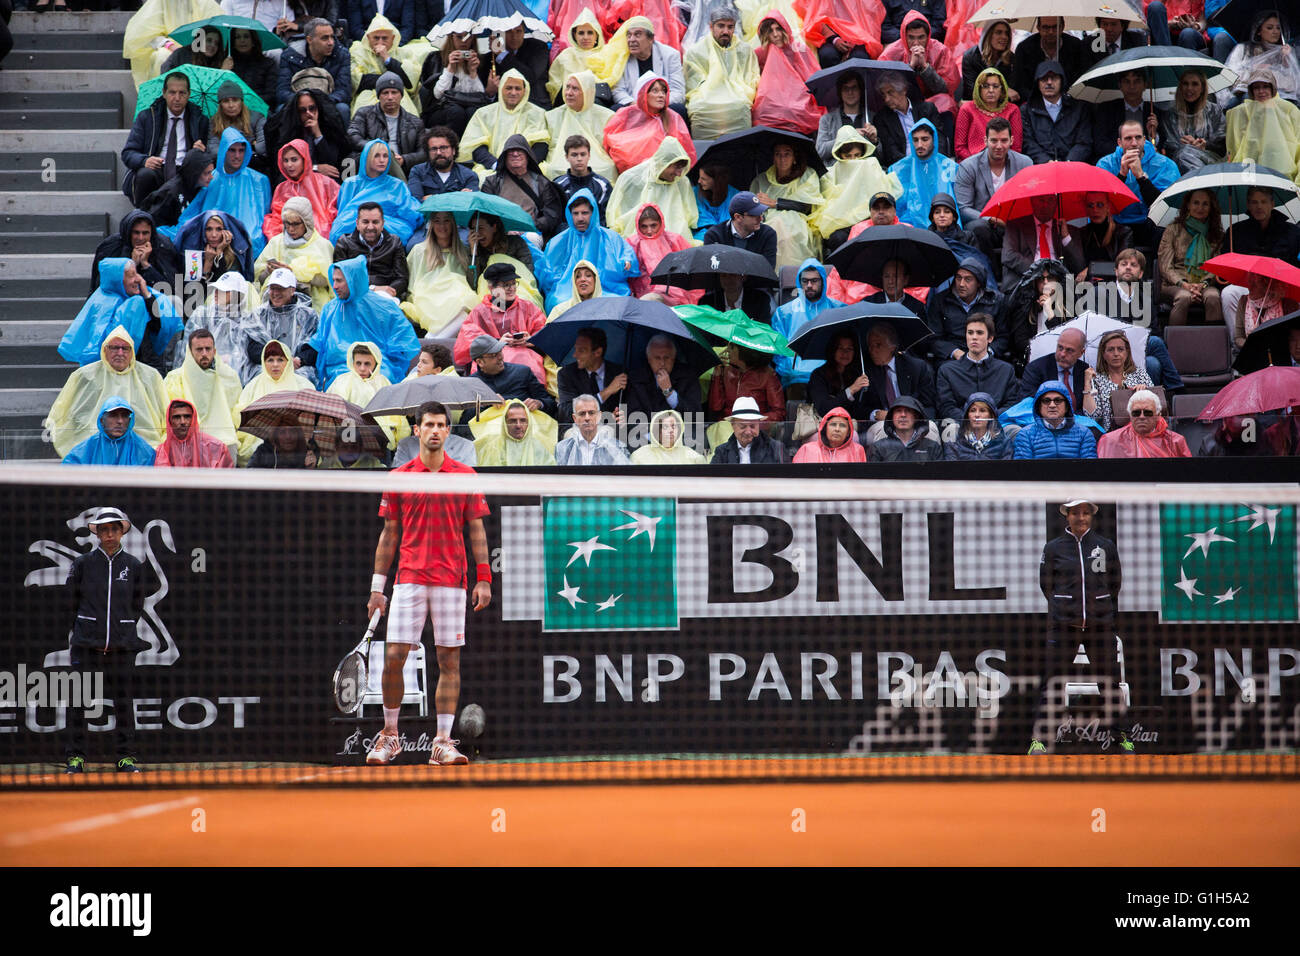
<point x="325" y="414"/>
<point x="489" y="16"/>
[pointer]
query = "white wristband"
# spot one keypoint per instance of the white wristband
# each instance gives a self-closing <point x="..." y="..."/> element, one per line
<point x="378" y="582"/>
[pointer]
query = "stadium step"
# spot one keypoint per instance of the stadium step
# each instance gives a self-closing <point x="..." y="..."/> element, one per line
<point x="64" y="40"/>
<point x="56" y="309"/>
<point x="61" y="59"/>
<point x="49" y="241"/>
<point x="55" y="100"/>
<point x="36" y="118"/>
<point x="61" y="178"/>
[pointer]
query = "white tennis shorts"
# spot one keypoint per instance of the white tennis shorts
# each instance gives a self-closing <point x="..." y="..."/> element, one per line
<point x="413" y="603"/>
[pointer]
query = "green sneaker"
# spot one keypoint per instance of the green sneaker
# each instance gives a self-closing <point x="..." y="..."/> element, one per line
<point x="1125" y="744"/>
<point x="1036" y="747"/>
<point x="127" y="765"/>
<point x="76" y="765"/>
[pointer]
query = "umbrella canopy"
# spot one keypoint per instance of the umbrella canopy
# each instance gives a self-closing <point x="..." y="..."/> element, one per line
<point x="929" y="259"/>
<point x="749" y="152"/>
<point x="823" y="84"/>
<point x="204" y="84"/>
<point x="1078" y="14"/>
<point x="224" y="24"/>
<point x="1093" y="325"/>
<point x="1277" y="386"/>
<point x="1229" y="182"/>
<point x="1069" y="182"/>
<point x="1237" y="268"/>
<point x="1236" y="16"/>
<point x="1268" y="345"/>
<point x="489" y="16"/>
<point x="454" y="391"/>
<point x="628" y="324"/>
<point x="858" y="319"/>
<point x="712" y="326"/>
<point x="463" y="205"/>
<point x="327" y="414"/>
<point x="700" y="266"/>
<point x="1163" y="67"/>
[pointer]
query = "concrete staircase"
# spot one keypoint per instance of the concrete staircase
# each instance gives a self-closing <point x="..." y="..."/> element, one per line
<point x="66" y="103"/>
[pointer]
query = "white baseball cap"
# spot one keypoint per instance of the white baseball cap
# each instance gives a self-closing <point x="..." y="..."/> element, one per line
<point x="284" y="278"/>
<point x="1075" y="502"/>
<point x="231" y="282"/>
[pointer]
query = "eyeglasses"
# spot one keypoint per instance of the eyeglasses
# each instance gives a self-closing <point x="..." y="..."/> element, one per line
<point x="440" y="149"/>
<point x="307" y="109"/>
<point x="1142" y="413"/>
<point x="1053" y="401"/>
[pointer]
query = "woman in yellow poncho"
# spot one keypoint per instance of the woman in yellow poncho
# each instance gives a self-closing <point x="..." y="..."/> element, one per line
<point x="586" y="42"/>
<point x="754" y="12"/>
<point x="665" y="445"/>
<point x="359" y="383"/>
<point x="277" y="375"/>
<point x="661" y="180"/>
<point x="146" y="43"/>
<point x="514" y="442"/>
<point x="491" y="125"/>
<point x="848" y="187"/>
<point x="439" y="283"/>
<point x="371" y="56"/>
<point x="1265" y="129"/>
<point x="585" y="282"/>
<point x="791" y="180"/>
<point x="306" y="253"/>
<point x="579" y="114"/>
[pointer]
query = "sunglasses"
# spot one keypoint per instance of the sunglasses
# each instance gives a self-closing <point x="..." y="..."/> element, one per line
<point x="1053" y="401"/>
<point x="1142" y="413"/>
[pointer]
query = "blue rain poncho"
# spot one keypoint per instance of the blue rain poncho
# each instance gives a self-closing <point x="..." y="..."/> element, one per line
<point x="790" y="318"/>
<point x="401" y="210"/>
<point x="922" y="178"/>
<point x="614" y="259"/>
<point x="110" y="306"/>
<point x="364" y="316"/>
<point x="99" y="449"/>
<point x="244" y="194"/>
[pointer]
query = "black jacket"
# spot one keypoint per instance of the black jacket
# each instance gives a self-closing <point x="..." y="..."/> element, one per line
<point x="532" y="59"/>
<point x="762" y="451"/>
<point x="762" y="241"/>
<point x="645" y="396"/>
<point x="148" y="137"/>
<point x="1044" y="369"/>
<point x="947" y="319"/>
<point x="920" y="447"/>
<point x="1080" y="578"/>
<point x="518" y="381"/>
<point x="892" y="145"/>
<point x="914" y="379"/>
<point x="572" y="381"/>
<point x="402" y="13"/>
<point x="1069" y="138"/>
<point x="1281" y="239"/>
<point x="164" y="262"/>
<point x="294" y="58"/>
<point x="754" y="302"/>
<point x="107" y="599"/>
<point x="549" y="211"/>
<point x="386" y="262"/>
<point x="934" y="11"/>
<point x="961" y="378"/>
<point x="1106" y="118"/>
<point x="370" y="123"/>
<point x="1072" y="56"/>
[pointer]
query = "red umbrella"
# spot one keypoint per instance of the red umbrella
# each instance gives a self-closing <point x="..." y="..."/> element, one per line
<point x="1277" y="386"/>
<point x="1237" y="268"/>
<point x="1068" y="181"/>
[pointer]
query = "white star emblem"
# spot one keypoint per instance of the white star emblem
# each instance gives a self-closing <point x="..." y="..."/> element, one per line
<point x="643" y="524"/>
<point x="585" y="549"/>
<point x="608" y="603"/>
<point x="1187" y="585"/>
<point x="1260" y="517"/>
<point x="1226" y="596"/>
<point x="570" y="594"/>
<point x="1202" y="541"/>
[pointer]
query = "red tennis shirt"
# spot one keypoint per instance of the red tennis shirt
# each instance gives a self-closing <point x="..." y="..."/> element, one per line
<point x="433" y="541"/>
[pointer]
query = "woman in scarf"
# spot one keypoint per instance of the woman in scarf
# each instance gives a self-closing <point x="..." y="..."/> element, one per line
<point x="186" y="446"/>
<point x="992" y="98"/>
<point x="233" y="113"/>
<point x="236" y="189"/>
<point x="373" y="184"/>
<point x="1115" y="370"/>
<point x="992" y="52"/>
<point x="362" y="380"/>
<point x="1265" y="129"/>
<point x="664" y="445"/>
<point x="212" y="245"/>
<point x="311" y="117"/>
<point x="785" y="63"/>
<point x="301" y="249"/>
<point x="490" y="243"/>
<point x="636" y="131"/>
<point x="294" y="160"/>
<point x="440" y="294"/>
<point x="450" y="88"/>
<point x="578" y="114"/>
<point x="836" y="442"/>
<point x="849" y="185"/>
<point x="1193" y="129"/>
<point x="489" y="128"/>
<point x="514" y="443"/>
<point x="167" y="203"/>
<point x="584" y="284"/>
<point x="1147" y="434"/>
<point x="1262" y="303"/>
<point x="586" y="41"/>
<point x="922" y="173"/>
<point x="1266" y="49"/>
<point x="746" y="373"/>
<point x="651" y="242"/>
<point x="1189" y="240"/>
<point x="793" y="191"/>
<point x="980" y="437"/>
<point x="661" y="180"/>
<point x="374" y="55"/>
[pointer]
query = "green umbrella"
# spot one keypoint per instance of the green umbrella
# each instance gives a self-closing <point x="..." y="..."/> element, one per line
<point x="465" y="204"/>
<point x="204" y="83"/>
<point x="709" y="325"/>
<point x="185" y="35"/>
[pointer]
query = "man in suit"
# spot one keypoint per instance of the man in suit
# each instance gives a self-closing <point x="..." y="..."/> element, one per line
<point x="1050" y="43"/>
<point x="894" y="123"/>
<point x="1111" y="36"/>
<point x="1066" y="366"/>
<point x="590" y="374"/>
<point x="978" y="178"/>
<point x="160" y="137"/>
<point x="892" y="374"/>
<point x="663" y="382"/>
<point x="1134" y="104"/>
<point x="1033" y="237"/>
<point x="1055" y="125"/>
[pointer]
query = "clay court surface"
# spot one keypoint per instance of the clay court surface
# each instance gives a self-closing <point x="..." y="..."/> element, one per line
<point x="885" y="821"/>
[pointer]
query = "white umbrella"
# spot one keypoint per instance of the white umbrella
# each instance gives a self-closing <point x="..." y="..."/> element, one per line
<point x="1078" y="14"/>
<point x="1093" y="325"/>
<point x="1230" y="183"/>
<point x="1163" y="67"/>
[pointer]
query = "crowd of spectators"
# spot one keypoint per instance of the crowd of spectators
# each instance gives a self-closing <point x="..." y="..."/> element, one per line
<point x="281" y="244"/>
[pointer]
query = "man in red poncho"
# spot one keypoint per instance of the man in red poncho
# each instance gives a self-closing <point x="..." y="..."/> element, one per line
<point x="186" y="446"/>
<point x="938" y="71"/>
<point x="838" y="29"/>
<point x="1147" y="435"/>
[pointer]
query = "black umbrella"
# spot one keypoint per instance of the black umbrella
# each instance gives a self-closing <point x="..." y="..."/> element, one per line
<point x="822" y="84"/>
<point x="700" y="266"/>
<point x="628" y="324"/>
<point x="1236" y="16"/>
<point x="857" y="320"/>
<point x="1268" y="345"/>
<point x="749" y="152"/>
<point x="406" y="397"/>
<point x="928" y="258"/>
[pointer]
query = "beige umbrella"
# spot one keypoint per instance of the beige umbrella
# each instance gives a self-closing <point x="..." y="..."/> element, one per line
<point x="1079" y="14"/>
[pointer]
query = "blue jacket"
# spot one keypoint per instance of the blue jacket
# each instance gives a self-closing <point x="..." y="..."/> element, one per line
<point x="130" y="449"/>
<point x="363" y="316"/>
<point x="110" y="306"/>
<point x="792" y="317"/>
<point x="423" y="181"/>
<point x="1069" y="441"/>
<point x="1161" y="172"/>
<point x="338" y="65"/>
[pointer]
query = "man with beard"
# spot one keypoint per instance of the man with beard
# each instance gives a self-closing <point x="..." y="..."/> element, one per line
<point x="210" y="385"/>
<point x="385" y="256"/>
<point x="441" y="174"/>
<point x="186" y="446"/>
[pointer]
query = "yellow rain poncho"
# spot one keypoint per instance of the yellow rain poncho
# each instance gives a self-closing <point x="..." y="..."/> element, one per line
<point x="74" y="416"/>
<point x="589" y="121"/>
<point x="720" y="87"/>
<point x="439" y="293"/>
<point x="145" y="42"/>
<point x="571" y="301"/>
<point x="610" y="62"/>
<point x="541" y="425"/>
<point x="310" y="258"/>
<point x="574" y="59"/>
<point x="644" y="183"/>
<point x="493" y="124"/>
<point x="849" y="185"/>
<point x="496" y="449"/>
<point x="1266" y="133"/>
<point x="214" y="394"/>
<point x="366" y="60"/>
<point x="796" y="239"/>
<point x="264" y="384"/>
<point x="655" y="453"/>
<point x="351" y="387"/>
<point x="753" y="12"/>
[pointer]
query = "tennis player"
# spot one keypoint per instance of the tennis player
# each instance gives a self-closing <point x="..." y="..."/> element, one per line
<point x="430" y="583"/>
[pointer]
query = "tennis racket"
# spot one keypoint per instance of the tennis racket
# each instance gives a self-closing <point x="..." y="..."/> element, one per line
<point x="352" y="675"/>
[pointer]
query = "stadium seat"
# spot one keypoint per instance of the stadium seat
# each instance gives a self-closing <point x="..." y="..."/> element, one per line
<point x="1119" y="403"/>
<point x="789" y="285"/>
<point x="1202" y="354"/>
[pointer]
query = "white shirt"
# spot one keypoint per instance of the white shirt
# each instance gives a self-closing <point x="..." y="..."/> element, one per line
<point x="905" y="117"/>
<point x="744" y="452"/>
<point x="266" y="12"/>
<point x="998" y="178"/>
<point x="1053" y="109"/>
<point x="586" y="449"/>
<point x="182" y="144"/>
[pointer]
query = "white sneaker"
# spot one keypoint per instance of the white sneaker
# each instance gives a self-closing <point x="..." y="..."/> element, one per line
<point x="445" y="753"/>
<point x="387" y="748"/>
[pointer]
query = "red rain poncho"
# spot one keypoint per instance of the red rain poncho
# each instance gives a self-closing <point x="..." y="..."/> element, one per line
<point x="1127" y="443"/>
<point x="196" y="451"/>
<point x="942" y="59"/>
<point x="321" y="191"/>
<point x="856" y="22"/>
<point x="635" y="133"/>
<point x="815" y="450"/>
<point x="782" y="100"/>
<point x="649" y="250"/>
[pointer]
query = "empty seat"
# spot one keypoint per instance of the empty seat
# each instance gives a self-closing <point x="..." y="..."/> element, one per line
<point x="789" y="284"/>
<point x="1202" y="354"/>
<point x="1190" y="406"/>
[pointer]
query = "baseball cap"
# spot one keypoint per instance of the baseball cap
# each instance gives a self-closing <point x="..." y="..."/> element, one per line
<point x="231" y="282"/>
<point x="284" y="278"/>
<point x="1049" y="66"/>
<point x="745" y="204"/>
<point x="485" y="345"/>
<point x="1075" y="502"/>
